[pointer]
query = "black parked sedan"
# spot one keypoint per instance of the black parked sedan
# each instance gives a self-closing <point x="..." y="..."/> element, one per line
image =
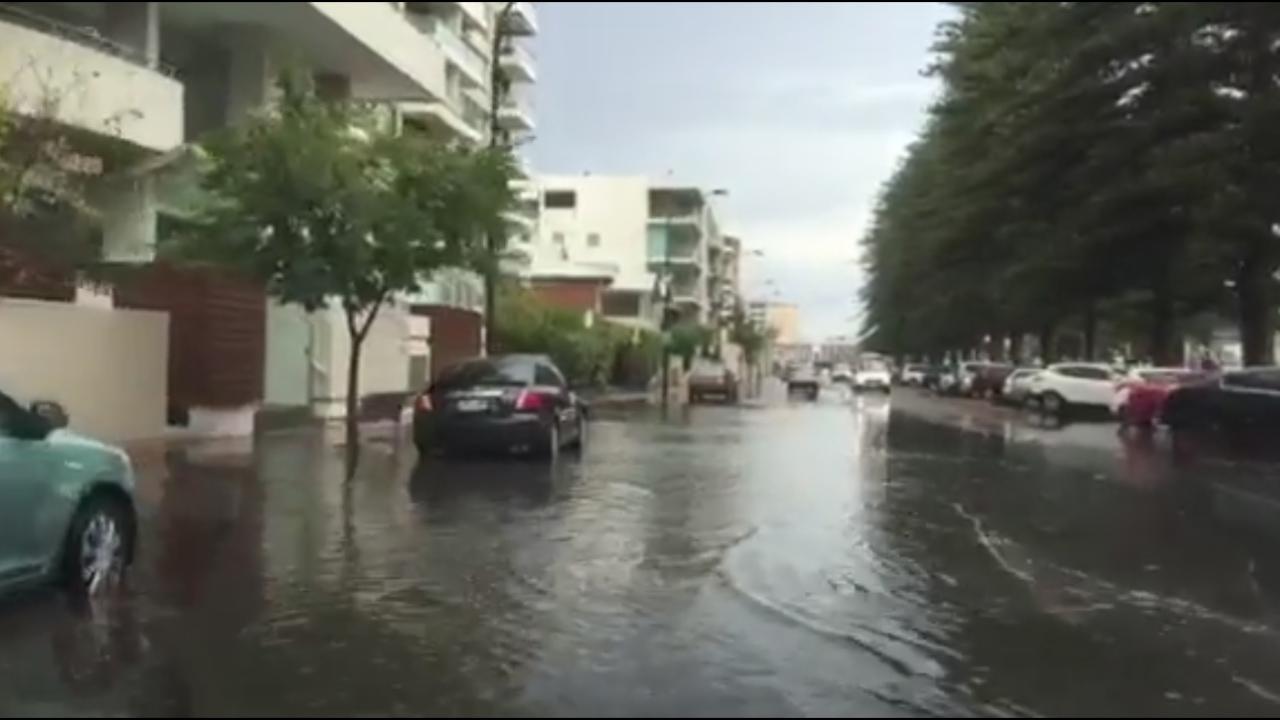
<point x="506" y="403"/>
<point x="1238" y="401"/>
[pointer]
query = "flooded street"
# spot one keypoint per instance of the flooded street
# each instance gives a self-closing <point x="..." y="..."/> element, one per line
<point x="843" y="557"/>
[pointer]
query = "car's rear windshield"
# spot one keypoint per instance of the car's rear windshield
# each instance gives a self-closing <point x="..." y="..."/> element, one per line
<point x="874" y="366"/>
<point x="493" y="371"/>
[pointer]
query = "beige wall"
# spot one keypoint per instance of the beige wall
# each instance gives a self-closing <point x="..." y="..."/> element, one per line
<point x="384" y="360"/>
<point x="107" y="367"/>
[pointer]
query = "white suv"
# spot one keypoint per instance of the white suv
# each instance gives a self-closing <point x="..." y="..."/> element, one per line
<point x="1063" y="385"/>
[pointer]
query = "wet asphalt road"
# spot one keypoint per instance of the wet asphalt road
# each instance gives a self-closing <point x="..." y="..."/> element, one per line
<point x="844" y="557"/>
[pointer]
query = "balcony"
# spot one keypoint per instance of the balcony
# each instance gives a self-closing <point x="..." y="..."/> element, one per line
<point x="516" y="112"/>
<point x="85" y="81"/>
<point x="522" y="19"/>
<point x="456" y="116"/>
<point x="518" y="63"/>
<point x="683" y="255"/>
<point x="472" y="64"/>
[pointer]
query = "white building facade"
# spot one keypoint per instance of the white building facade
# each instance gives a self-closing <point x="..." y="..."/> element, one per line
<point x="651" y="239"/>
<point x="139" y="82"/>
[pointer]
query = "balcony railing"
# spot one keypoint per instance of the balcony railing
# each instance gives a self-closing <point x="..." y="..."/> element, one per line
<point x="472" y="63"/>
<point x="86" y="35"/>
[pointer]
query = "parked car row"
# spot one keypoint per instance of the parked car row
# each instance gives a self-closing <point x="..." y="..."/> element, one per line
<point x="1232" y="401"/>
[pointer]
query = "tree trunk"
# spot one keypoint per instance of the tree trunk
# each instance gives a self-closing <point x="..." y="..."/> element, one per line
<point x="1090" y="331"/>
<point x="1256" y="306"/>
<point x="1015" y="348"/>
<point x="357" y="331"/>
<point x="1163" y="348"/>
<point x="1047" y="351"/>
<point x="353" y="405"/>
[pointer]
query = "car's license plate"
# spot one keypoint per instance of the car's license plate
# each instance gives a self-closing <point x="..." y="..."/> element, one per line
<point x="473" y="405"/>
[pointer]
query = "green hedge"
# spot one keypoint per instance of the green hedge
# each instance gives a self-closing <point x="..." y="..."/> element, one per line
<point x="597" y="355"/>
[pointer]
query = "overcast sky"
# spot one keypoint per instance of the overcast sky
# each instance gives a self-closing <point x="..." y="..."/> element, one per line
<point x="800" y="110"/>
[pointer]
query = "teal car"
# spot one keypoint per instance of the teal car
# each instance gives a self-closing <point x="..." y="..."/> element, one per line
<point x="66" y="504"/>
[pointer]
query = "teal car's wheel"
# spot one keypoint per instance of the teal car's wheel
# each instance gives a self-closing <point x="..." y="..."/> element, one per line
<point x="98" y="547"/>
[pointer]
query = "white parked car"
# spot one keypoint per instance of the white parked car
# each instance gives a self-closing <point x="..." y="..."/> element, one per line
<point x="1063" y="385"/>
<point x="872" y="375"/>
<point x="1017" y="387"/>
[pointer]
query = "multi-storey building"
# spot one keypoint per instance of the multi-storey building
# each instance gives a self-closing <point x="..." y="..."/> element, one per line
<point x="135" y="84"/>
<point x="639" y="242"/>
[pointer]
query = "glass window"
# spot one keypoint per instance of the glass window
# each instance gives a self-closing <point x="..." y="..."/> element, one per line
<point x="593" y="240"/>
<point x="547" y="375"/>
<point x="494" y="371"/>
<point x="1085" y="372"/>
<point x="1254" y="380"/>
<point x="621" y="305"/>
<point x="560" y="199"/>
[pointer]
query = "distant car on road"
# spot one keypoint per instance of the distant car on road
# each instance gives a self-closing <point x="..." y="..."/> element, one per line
<point x="66" y="504"/>
<point x="509" y="403"/>
<point x="1064" y="386"/>
<point x="1140" y="396"/>
<point x="1017" y="387"/>
<point x="801" y="379"/>
<point x="1236" y="402"/>
<point x="932" y="378"/>
<point x="842" y="373"/>
<point x="913" y="374"/>
<point x="872" y="374"/>
<point x="710" y="378"/>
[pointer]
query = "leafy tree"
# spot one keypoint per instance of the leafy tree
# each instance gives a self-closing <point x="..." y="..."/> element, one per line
<point x="44" y="177"/>
<point x="1085" y="164"/>
<point x="324" y="207"/>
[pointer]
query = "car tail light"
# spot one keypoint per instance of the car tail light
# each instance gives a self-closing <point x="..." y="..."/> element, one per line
<point x="531" y="401"/>
<point x="424" y="402"/>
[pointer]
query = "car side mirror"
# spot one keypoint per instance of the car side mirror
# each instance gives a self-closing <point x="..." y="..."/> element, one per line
<point x="51" y="412"/>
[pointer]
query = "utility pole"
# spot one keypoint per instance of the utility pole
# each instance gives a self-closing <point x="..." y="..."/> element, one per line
<point x="499" y="86"/>
<point x="666" y="310"/>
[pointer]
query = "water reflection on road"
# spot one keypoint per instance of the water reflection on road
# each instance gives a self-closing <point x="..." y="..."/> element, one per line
<point x="838" y="557"/>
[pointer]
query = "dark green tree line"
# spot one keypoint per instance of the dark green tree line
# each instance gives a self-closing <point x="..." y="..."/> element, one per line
<point x="1086" y="164"/>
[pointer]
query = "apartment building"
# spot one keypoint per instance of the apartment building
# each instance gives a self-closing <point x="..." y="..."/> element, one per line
<point x="644" y="239"/>
<point x="135" y="84"/>
<point x="782" y="318"/>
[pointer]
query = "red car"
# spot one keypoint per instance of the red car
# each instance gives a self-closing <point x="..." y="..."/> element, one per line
<point x="1140" y="396"/>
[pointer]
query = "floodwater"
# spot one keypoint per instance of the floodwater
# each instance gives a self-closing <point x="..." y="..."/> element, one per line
<point x="838" y="557"/>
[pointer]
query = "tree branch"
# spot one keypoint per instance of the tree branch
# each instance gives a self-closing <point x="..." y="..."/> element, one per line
<point x="359" y="333"/>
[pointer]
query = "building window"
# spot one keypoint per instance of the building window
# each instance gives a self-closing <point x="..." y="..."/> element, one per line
<point x="560" y="199"/>
<point x="557" y="238"/>
<point x="593" y="240"/>
<point x="621" y="305"/>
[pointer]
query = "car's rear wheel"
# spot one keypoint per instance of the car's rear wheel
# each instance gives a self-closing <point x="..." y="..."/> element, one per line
<point x="98" y="547"/>
<point x="550" y="448"/>
<point x="580" y="439"/>
<point x="1053" y="404"/>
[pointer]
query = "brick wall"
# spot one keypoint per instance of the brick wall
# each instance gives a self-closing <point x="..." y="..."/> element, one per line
<point x="570" y="294"/>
